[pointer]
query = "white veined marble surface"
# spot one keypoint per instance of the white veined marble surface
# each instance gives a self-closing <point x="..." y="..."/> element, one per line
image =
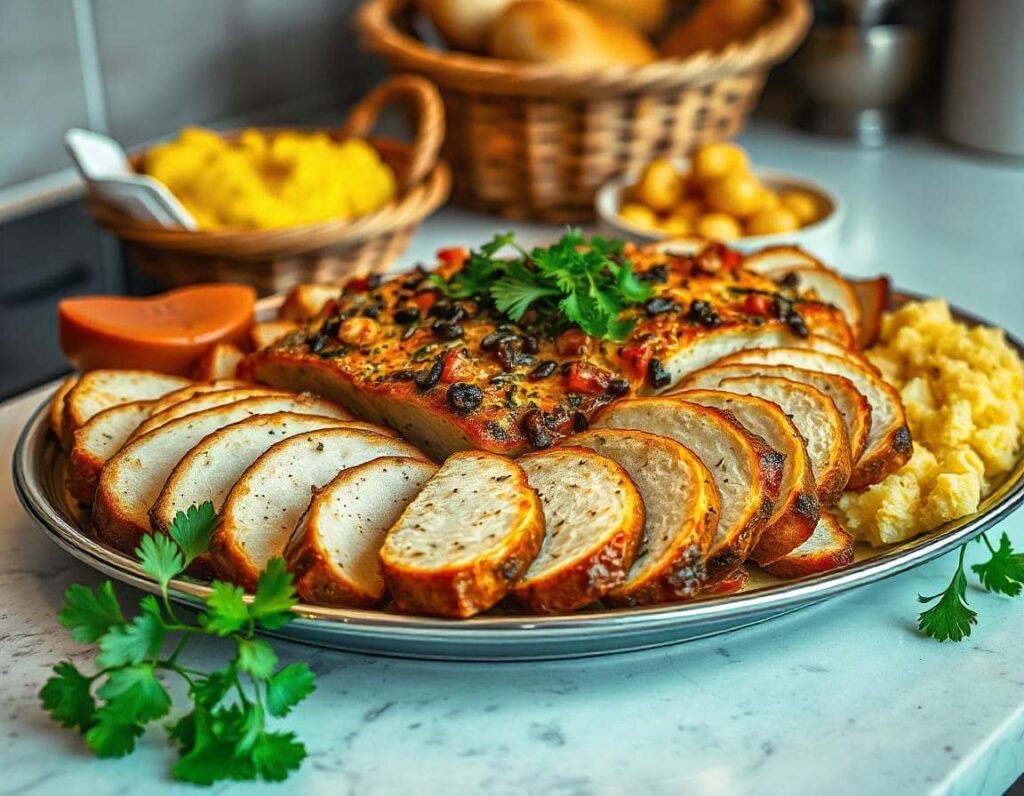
<point x="841" y="698"/>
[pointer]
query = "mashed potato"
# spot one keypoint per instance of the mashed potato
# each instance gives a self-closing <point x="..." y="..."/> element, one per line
<point x="963" y="390"/>
<point x="264" y="181"/>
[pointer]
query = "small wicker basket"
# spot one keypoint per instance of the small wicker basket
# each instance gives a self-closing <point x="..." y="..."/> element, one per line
<point x="276" y="259"/>
<point x="537" y="140"/>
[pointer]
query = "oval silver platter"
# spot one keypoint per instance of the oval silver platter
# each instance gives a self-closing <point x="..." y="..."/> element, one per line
<point x="39" y="466"/>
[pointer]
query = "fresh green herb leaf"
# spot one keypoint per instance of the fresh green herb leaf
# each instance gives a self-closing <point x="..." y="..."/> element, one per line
<point x="950" y="619"/>
<point x="193" y="529"/>
<point x="277" y="754"/>
<point x="288" y="687"/>
<point x="134" y="642"/>
<point x="227" y="612"/>
<point x="256" y="657"/>
<point x="111" y="737"/>
<point x="89" y="614"/>
<point x="275" y="596"/>
<point x="1003" y="573"/>
<point x="67" y="697"/>
<point x="219" y="738"/>
<point x="160" y="557"/>
<point x="583" y="282"/>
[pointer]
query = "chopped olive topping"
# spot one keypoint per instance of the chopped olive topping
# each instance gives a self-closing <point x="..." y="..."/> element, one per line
<point x="531" y="345"/>
<point x="464" y="398"/>
<point x="410" y="331"/>
<point x="657" y="374"/>
<point x="791" y="280"/>
<point x="407" y="315"/>
<point x="511" y="401"/>
<point x="701" y="312"/>
<point x="658" y="305"/>
<point x="657" y="275"/>
<point x="580" y="422"/>
<point x="490" y="342"/>
<point x="796" y="323"/>
<point x="446" y="330"/>
<point x="428" y="379"/>
<point x="318" y="343"/>
<point x="543" y="370"/>
<point x="618" y="387"/>
<point x="536" y="429"/>
<point x="330" y="326"/>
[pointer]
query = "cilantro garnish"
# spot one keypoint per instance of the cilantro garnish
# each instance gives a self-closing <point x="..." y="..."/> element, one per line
<point x="224" y="735"/>
<point x="950" y="618"/>
<point x="586" y="282"/>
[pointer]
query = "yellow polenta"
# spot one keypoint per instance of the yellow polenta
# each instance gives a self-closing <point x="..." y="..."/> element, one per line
<point x="963" y="390"/>
<point x="265" y="181"/>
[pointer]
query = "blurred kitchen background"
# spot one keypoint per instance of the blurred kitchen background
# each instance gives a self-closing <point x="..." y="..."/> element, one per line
<point x="140" y="70"/>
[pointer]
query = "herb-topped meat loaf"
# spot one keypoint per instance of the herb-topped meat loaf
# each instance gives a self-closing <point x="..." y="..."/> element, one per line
<point x="505" y="350"/>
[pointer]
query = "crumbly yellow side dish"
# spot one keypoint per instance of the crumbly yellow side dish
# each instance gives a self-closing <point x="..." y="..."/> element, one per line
<point x="963" y="390"/>
<point x="262" y="181"/>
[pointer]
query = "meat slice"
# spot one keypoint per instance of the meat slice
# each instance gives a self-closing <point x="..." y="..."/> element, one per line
<point x="593" y="519"/>
<point x="830" y="547"/>
<point x="334" y="553"/>
<point x="264" y="507"/>
<point x="102" y="389"/>
<point x="132" y="479"/>
<point x="797" y="508"/>
<point x="681" y="514"/>
<point x="854" y="409"/>
<point x="203" y="401"/>
<point x="57" y="404"/>
<point x="194" y="389"/>
<point x="99" y="439"/>
<point x="211" y="468"/>
<point x="466" y="539"/>
<point x="745" y="470"/>
<point x="889" y="445"/>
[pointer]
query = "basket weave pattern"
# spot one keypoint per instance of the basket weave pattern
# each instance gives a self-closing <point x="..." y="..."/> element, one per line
<point x="274" y="260"/>
<point x="537" y="140"/>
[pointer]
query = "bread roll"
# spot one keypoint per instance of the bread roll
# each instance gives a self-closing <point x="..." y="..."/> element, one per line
<point x="466" y="24"/>
<point x="715" y="24"/>
<point x="647" y="16"/>
<point x="561" y="31"/>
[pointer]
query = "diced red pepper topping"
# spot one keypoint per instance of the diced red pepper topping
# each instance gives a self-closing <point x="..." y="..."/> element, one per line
<point x="585" y="378"/>
<point x="425" y="299"/>
<point x="357" y="284"/>
<point x="456" y="255"/>
<point x="637" y="357"/>
<point x="757" y="304"/>
<point x="455" y="365"/>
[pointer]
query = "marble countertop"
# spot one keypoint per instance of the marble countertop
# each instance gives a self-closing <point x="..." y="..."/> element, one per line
<point x="844" y="697"/>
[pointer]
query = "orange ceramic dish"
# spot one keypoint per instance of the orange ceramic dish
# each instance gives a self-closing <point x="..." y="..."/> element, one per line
<point x="169" y="332"/>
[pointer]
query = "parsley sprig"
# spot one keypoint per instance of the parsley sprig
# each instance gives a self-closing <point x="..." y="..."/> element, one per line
<point x="224" y="735"/>
<point x="951" y="618"/>
<point x="587" y="282"/>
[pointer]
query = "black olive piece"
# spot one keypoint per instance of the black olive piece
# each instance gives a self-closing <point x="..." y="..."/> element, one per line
<point x="330" y="326"/>
<point x="428" y="379"/>
<point x="464" y="398"/>
<point x="658" y="305"/>
<point x="657" y="374"/>
<point x="536" y="429"/>
<point x="410" y="331"/>
<point x="580" y="422"/>
<point x="701" y="312"/>
<point x="797" y="325"/>
<point x="407" y="315"/>
<point x="444" y="309"/>
<point x="657" y="274"/>
<point x="507" y="352"/>
<point x="565" y="367"/>
<point x="543" y="370"/>
<point x="446" y="330"/>
<point x="490" y="342"/>
<point x="372" y="312"/>
<point x="531" y="345"/>
<point x="318" y="343"/>
<point x="618" y="387"/>
<point x="781" y="308"/>
<point x="790" y="280"/>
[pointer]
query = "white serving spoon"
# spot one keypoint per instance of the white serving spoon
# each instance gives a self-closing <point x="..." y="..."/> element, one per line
<point x="102" y="162"/>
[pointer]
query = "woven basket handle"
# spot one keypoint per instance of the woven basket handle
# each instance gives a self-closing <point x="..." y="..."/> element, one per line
<point x="428" y="111"/>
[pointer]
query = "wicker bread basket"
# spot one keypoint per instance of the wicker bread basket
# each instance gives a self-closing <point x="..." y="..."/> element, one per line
<point x="537" y="140"/>
<point x="275" y="259"/>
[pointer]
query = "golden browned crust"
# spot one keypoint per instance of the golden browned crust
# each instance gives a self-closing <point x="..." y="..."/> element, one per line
<point x="830" y="548"/>
<point x="605" y="566"/>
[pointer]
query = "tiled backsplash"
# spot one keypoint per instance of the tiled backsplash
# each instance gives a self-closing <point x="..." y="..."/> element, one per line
<point x="144" y="68"/>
